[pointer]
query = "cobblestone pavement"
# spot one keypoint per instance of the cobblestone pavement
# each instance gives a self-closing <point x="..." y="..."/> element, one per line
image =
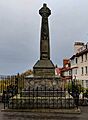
<point x="43" y="116"/>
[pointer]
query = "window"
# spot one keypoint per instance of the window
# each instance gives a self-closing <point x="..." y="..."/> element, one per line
<point x="86" y="83"/>
<point x="82" y="82"/>
<point x="75" y="71"/>
<point x="86" y="70"/>
<point x="85" y="56"/>
<point x="82" y="58"/>
<point x="70" y="73"/>
<point x="72" y="62"/>
<point x="82" y="70"/>
<point x="76" y="60"/>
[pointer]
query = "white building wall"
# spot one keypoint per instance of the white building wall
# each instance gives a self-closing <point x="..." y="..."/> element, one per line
<point x="83" y="64"/>
<point x="80" y="65"/>
<point x="75" y="71"/>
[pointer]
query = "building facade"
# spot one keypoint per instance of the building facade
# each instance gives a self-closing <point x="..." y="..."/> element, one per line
<point x="79" y="63"/>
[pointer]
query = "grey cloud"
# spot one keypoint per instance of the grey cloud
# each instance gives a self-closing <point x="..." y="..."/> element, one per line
<point x="20" y="31"/>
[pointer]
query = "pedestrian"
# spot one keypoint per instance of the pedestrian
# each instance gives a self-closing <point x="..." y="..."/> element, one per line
<point x="76" y="98"/>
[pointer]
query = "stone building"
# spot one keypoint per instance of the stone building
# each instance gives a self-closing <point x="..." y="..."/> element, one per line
<point x="79" y="61"/>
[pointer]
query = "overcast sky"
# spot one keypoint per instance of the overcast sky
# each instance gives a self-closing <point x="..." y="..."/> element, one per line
<point x="20" y="25"/>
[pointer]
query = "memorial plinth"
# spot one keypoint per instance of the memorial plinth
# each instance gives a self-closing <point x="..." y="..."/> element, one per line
<point x="44" y="68"/>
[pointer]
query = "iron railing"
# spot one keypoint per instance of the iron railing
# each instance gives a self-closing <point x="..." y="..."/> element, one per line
<point x="15" y="94"/>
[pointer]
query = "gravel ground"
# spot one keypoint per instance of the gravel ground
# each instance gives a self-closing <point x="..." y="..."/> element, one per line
<point x="43" y="116"/>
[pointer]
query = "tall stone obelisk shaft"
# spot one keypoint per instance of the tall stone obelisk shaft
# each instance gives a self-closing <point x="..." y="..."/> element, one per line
<point x="44" y="66"/>
<point x="44" y="39"/>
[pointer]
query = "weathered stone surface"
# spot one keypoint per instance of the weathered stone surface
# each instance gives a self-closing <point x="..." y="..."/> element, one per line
<point x="44" y="68"/>
<point x="44" y="82"/>
<point x="38" y="102"/>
